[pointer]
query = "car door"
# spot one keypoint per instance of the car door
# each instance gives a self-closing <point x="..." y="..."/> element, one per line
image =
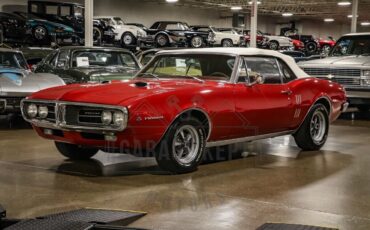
<point x="262" y="106"/>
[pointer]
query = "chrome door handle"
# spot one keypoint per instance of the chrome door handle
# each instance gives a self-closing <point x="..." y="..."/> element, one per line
<point x="287" y="92"/>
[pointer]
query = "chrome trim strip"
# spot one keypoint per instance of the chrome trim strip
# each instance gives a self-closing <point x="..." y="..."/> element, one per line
<point x="60" y="122"/>
<point x="246" y="139"/>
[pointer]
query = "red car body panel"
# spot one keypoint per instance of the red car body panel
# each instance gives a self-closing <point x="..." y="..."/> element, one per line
<point x="324" y="42"/>
<point x="298" y="45"/>
<point x="234" y="110"/>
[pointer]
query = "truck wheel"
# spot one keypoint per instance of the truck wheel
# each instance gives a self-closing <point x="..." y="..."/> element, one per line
<point x="196" y="42"/>
<point x="74" y="152"/>
<point x="273" y="45"/>
<point x="162" y="40"/>
<point x="182" y="148"/>
<point x="128" y="39"/>
<point x="227" y="43"/>
<point x="313" y="133"/>
<point x="40" y="33"/>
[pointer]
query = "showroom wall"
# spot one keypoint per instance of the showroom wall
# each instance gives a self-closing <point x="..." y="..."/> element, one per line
<point x="147" y="13"/>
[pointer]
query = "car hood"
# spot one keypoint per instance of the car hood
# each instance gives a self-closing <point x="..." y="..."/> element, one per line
<point x="23" y="83"/>
<point x="107" y="73"/>
<point x="115" y="93"/>
<point x="339" y="61"/>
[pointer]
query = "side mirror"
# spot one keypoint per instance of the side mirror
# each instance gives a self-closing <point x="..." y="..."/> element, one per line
<point x="255" y="79"/>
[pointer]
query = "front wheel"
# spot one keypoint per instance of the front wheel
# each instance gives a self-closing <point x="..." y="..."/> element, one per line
<point x="273" y="45"/>
<point x="227" y="43"/>
<point x="313" y="133"/>
<point x="311" y="47"/>
<point x="40" y="33"/>
<point x="182" y="148"/>
<point x="74" y="152"/>
<point x="162" y="40"/>
<point x="128" y="39"/>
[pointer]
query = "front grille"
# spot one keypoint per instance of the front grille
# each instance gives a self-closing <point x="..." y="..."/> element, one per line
<point x="334" y="72"/>
<point x="346" y="77"/>
<point x="82" y="115"/>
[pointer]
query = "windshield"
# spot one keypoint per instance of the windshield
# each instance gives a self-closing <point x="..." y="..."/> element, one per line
<point x="79" y="11"/>
<point x="352" y="45"/>
<point x="119" y="21"/>
<point x="12" y="60"/>
<point x="87" y="58"/>
<point x="196" y="66"/>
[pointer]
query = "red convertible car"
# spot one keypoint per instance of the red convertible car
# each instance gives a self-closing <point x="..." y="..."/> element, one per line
<point x="184" y="101"/>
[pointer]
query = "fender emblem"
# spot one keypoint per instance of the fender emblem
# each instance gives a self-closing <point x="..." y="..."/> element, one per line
<point x="153" y="118"/>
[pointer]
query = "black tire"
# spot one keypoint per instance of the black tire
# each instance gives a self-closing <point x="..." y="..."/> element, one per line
<point x="128" y="39"/>
<point x="273" y="45"/>
<point x="97" y="36"/>
<point x="311" y="47"/>
<point x="227" y="43"/>
<point x="75" y="152"/>
<point x="162" y="40"/>
<point x="167" y="159"/>
<point x="40" y="33"/>
<point x="304" y="137"/>
<point x="325" y="49"/>
<point x="197" y="42"/>
<point x="363" y="108"/>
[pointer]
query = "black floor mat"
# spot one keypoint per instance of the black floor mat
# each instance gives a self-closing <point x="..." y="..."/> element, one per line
<point x="272" y="226"/>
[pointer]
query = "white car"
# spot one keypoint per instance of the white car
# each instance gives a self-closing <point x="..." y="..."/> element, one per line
<point x="274" y="42"/>
<point x="221" y="37"/>
<point x="126" y="35"/>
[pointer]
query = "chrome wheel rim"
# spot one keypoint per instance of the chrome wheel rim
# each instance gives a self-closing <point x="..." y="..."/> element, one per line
<point x="326" y="50"/>
<point x="318" y="127"/>
<point x="273" y="46"/>
<point x="197" y="42"/>
<point x="311" y="47"/>
<point x="161" y="40"/>
<point x="186" y="145"/>
<point x="40" y="33"/>
<point x="127" y="39"/>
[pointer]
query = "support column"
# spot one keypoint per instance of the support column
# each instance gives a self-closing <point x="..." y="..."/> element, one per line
<point x="253" y="34"/>
<point x="89" y="14"/>
<point x="354" y="16"/>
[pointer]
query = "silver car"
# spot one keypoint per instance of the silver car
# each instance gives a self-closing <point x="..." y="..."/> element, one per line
<point x="17" y="81"/>
<point x="348" y="63"/>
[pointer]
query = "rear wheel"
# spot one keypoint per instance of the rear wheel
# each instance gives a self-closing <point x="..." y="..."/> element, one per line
<point x="40" y="33"/>
<point x="274" y="45"/>
<point x="97" y="35"/>
<point x="182" y="148"/>
<point x="162" y="40"/>
<point x="74" y="152"/>
<point x="311" y="47"/>
<point x="313" y="133"/>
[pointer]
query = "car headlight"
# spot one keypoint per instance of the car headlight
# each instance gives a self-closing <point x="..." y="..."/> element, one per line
<point x="32" y="110"/>
<point x="43" y="112"/>
<point x="365" y="79"/>
<point x="119" y="119"/>
<point x="106" y="117"/>
<point x="366" y="73"/>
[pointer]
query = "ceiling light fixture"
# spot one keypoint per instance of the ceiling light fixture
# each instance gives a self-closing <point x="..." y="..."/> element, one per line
<point x="344" y="3"/>
<point x="329" y="20"/>
<point x="258" y="2"/>
<point x="171" y="1"/>
<point x="365" y="23"/>
<point x="350" y="16"/>
<point x="236" y="8"/>
<point x="287" y="14"/>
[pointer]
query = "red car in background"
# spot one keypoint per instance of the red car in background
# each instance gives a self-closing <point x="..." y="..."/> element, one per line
<point x="261" y="39"/>
<point x="184" y="101"/>
<point x="327" y="44"/>
<point x="298" y="45"/>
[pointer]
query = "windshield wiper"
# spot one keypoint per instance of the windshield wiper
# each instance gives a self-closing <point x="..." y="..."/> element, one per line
<point x="149" y="74"/>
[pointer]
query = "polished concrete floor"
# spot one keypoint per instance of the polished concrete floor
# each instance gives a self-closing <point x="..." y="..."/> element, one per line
<point x="273" y="182"/>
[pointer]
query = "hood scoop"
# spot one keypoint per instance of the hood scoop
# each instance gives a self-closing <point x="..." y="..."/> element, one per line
<point x="141" y="84"/>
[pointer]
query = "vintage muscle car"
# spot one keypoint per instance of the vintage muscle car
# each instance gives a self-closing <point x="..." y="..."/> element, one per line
<point x="348" y="63"/>
<point x="219" y="37"/>
<point x="77" y="64"/>
<point x="18" y="82"/>
<point x="274" y="42"/>
<point x="42" y="30"/>
<point x="186" y="100"/>
<point x="125" y="34"/>
<point x="174" y="33"/>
